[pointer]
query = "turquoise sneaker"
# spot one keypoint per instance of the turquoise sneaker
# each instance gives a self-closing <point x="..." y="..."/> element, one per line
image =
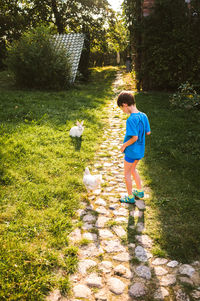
<point x="128" y="200"/>
<point x="138" y="194"/>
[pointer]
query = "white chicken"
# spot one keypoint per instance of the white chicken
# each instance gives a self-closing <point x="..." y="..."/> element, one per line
<point x="91" y="182"/>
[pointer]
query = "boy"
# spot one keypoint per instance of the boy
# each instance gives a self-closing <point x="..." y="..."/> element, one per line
<point x="137" y="126"/>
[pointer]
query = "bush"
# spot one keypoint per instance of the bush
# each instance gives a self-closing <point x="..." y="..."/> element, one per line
<point x="37" y="63"/>
<point x="186" y="97"/>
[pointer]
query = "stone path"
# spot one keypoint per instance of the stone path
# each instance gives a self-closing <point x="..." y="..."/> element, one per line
<point x="116" y="263"/>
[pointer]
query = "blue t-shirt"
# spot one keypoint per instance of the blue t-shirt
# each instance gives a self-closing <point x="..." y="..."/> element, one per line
<point x="136" y="125"/>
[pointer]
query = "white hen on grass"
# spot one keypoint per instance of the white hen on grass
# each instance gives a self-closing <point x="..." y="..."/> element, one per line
<point x="91" y="182"/>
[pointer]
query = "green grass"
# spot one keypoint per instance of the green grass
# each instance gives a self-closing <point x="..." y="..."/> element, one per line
<point x="171" y="169"/>
<point x="41" y="180"/>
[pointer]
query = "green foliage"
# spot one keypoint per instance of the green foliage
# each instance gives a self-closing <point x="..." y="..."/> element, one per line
<point x="170" y="53"/>
<point x="37" y="63"/>
<point x="186" y="97"/>
<point x="166" y="43"/>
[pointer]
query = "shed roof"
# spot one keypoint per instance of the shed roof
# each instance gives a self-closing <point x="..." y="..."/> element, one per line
<point x="73" y="43"/>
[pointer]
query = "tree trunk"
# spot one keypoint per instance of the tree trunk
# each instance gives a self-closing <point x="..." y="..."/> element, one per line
<point x="138" y="42"/>
<point x="58" y="17"/>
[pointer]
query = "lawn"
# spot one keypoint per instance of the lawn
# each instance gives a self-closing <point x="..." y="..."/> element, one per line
<point x="41" y="180"/>
<point x="171" y="169"/>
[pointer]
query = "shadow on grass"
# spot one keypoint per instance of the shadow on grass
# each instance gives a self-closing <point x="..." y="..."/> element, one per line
<point x="171" y="169"/>
<point x="76" y="141"/>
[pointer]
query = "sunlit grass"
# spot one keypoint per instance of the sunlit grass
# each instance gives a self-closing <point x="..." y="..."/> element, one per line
<point x="41" y="180"/>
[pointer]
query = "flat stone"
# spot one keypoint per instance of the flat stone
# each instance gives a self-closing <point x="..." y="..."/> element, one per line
<point x="89" y="207"/>
<point x="119" y="231"/>
<point x="186" y="280"/>
<point x="112" y="199"/>
<point x="90" y="236"/>
<point x="97" y="191"/>
<point x="86" y="264"/>
<point x="54" y="296"/>
<point x="121" y="211"/>
<point x="168" y="280"/>
<point x="113" y="246"/>
<point x="81" y="291"/>
<point x="131" y="245"/>
<point x="186" y="269"/>
<point x="94" y="281"/>
<point x="101" y="296"/>
<point x="143" y="271"/>
<point x="172" y="264"/>
<point x="123" y="257"/>
<point x="159" y="271"/>
<point x="81" y="212"/>
<point x="113" y="206"/>
<point x="144" y="240"/>
<point x="101" y="221"/>
<point x="89" y="218"/>
<point x="137" y="290"/>
<point x="121" y="270"/>
<point x="140" y="227"/>
<point x="140" y="204"/>
<point x="107" y="164"/>
<point x="141" y="254"/>
<point x="116" y="286"/>
<point x="90" y="250"/>
<point x="109" y="189"/>
<point x="196" y="263"/>
<point x="100" y="202"/>
<point x="181" y="296"/>
<point x="75" y="235"/>
<point x="136" y="213"/>
<point x="196" y="294"/>
<point x="87" y="226"/>
<point x="161" y="293"/>
<point x="159" y="261"/>
<point x="105" y="233"/>
<point x="105" y="266"/>
<point x="121" y="220"/>
<point x="102" y="210"/>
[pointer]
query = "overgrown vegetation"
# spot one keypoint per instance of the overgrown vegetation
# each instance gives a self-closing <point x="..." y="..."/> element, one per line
<point x="41" y="181"/>
<point x="37" y="63"/>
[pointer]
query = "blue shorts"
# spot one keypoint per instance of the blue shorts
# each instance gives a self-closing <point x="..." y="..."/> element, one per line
<point x="129" y="160"/>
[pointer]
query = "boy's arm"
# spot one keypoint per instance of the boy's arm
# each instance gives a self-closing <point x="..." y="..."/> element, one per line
<point x="129" y="142"/>
<point x="148" y="133"/>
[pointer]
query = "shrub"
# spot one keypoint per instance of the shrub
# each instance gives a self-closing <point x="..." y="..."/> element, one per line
<point x="186" y="97"/>
<point x="37" y="63"/>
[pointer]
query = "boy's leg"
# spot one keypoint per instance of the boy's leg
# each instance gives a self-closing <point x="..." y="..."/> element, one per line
<point x="136" y="175"/>
<point x="127" y="176"/>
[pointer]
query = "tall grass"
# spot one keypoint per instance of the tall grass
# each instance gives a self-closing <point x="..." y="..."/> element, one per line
<point x="41" y="180"/>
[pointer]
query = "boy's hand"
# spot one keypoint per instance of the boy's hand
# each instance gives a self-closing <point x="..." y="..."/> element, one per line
<point x="123" y="148"/>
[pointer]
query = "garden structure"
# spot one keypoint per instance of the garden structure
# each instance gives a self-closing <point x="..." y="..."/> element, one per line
<point x="74" y="43"/>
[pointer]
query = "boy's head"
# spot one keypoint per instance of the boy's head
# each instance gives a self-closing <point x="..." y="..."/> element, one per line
<point x="125" y="97"/>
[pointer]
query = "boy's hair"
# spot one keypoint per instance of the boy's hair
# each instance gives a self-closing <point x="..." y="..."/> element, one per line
<point x="125" y="97"/>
